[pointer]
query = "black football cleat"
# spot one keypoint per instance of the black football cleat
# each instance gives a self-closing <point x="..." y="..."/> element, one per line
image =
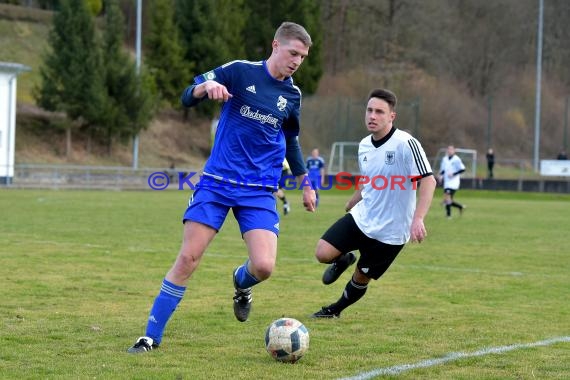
<point x="325" y="312"/>
<point x="242" y="302"/>
<point x="143" y="344"/>
<point x="334" y="270"/>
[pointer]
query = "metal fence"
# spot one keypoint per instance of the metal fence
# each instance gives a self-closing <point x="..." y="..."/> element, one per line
<point x="91" y="177"/>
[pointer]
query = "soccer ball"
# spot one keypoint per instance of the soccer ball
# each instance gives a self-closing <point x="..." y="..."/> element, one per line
<point x="287" y="340"/>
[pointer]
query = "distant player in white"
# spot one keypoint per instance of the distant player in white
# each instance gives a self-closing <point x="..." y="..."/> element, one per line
<point x="450" y="177"/>
<point x="382" y="214"/>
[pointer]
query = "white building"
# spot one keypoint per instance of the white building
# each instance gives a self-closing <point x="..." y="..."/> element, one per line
<point x="8" y="82"/>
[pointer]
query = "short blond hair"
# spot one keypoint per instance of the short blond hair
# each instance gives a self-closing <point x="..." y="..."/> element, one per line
<point x="288" y="31"/>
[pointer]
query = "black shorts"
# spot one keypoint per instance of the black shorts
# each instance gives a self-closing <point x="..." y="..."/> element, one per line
<point x="449" y="191"/>
<point x="375" y="256"/>
<point x="283" y="179"/>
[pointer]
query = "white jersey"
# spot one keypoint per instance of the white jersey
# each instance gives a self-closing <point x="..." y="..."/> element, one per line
<point x="389" y="198"/>
<point x="451" y="166"/>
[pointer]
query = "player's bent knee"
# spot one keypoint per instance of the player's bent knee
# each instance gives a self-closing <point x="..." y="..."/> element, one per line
<point x="262" y="270"/>
<point x="186" y="263"/>
<point x="325" y="252"/>
<point x="322" y="257"/>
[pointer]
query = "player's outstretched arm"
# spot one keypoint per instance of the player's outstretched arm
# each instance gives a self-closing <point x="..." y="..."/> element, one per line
<point x="309" y="196"/>
<point x="417" y="230"/>
<point x="196" y="93"/>
<point x="356" y="197"/>
<point x="212" y="89"/>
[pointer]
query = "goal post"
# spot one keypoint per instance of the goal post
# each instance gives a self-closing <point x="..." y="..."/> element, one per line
<point x="344" y="158"/>
<point x="468" y="156"/>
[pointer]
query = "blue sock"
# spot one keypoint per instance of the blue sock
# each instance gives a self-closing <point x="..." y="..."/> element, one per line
<point x="244" y="279"/>
<point x="164" y="305"/>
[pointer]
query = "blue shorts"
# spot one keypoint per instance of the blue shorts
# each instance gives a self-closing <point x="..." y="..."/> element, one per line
<point x="253" y="208"/>
<point x="315" y="182"/>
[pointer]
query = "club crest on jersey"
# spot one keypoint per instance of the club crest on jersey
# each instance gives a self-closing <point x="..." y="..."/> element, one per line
<point x="390" y="157"/>
<point x="281" y="103"/>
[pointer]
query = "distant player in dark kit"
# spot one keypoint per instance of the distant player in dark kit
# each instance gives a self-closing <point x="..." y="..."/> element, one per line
<point x="379" y="222"/>
<point x="490" y="162"/>
<point x="257" y="130"/>
<point x="316" y="168"/>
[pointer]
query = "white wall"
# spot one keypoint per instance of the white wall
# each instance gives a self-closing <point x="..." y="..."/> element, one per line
<point x="8" y="84"/>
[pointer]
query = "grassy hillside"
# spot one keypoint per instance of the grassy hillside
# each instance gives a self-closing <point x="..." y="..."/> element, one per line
<point x="23" y="42"/>
<point x="169" y="139"/>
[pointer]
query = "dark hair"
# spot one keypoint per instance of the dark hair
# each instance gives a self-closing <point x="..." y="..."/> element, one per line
<point x="386" y="95"/>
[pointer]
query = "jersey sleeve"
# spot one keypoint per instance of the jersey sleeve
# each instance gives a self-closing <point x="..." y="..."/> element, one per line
<point x="294" y="157"/>
<point x="420" y="165"/>
<point x="218" y="74"/>
<point x="458" y="166"/>
<point x="291" y="125"/>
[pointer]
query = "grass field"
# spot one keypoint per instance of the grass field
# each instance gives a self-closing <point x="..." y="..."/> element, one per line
<point x="486" y="296"/>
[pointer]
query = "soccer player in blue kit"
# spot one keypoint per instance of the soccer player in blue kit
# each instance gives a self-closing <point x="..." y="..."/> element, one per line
<point x="316" y="168"/>
<point x="258" y="128"/>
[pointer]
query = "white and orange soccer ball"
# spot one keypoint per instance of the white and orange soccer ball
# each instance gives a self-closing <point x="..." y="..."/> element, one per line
<point x="287" y="340"/>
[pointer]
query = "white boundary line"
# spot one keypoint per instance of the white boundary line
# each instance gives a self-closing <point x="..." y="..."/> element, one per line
<point x="397" y="369"/>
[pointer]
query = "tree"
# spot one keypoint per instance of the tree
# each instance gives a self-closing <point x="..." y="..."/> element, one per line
<point x="94" y="6"/>
<point x="483" y="45"/>
<point x="212" y="31"/>
<point x="212" y="34"/>
<point x="259" y="31"/>
<point x="556" y="49"/>
<point x="70" y="78"/>
<point x="49" y="4"/>
<point x="265" y="18"/>
<point x="164" y="53"/>
<point x="307" y="13"/>
<point x="129" y="104"/>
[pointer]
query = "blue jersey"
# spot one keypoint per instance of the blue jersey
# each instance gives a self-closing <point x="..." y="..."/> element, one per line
<point x="314" y="166"/>
<point x="253" y="125"/>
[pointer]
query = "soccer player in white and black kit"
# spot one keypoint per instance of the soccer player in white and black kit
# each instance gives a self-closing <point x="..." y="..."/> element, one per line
<point x="382" y="213"/>
<point x="450" y="177"/>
